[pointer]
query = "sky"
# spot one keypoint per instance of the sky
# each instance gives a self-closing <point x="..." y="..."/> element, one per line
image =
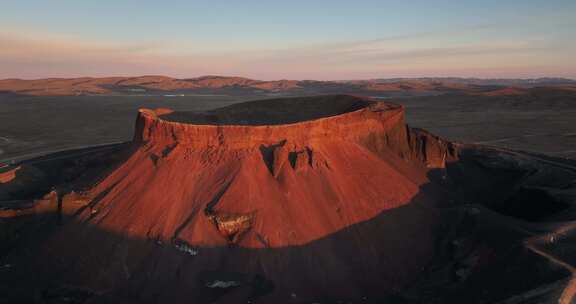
<point x="297" y="39"/>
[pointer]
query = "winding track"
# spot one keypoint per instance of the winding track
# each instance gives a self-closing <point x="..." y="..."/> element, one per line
<point x="569" y="293"/>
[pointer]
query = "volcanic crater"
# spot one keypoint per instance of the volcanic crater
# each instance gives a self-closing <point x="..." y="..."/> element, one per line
<point x="313" y="199"/>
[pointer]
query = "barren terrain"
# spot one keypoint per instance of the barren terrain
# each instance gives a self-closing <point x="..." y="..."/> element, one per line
<point x="538" y="121"/>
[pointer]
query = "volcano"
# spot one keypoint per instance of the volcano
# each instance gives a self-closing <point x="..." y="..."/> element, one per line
<point x="314" y="199"/>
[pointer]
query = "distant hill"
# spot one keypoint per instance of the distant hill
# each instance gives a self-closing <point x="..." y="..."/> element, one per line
<point x="162" y="85"/>
<point x="517" y="82"/>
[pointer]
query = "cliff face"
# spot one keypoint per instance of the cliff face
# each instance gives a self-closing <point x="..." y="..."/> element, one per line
<point x="376" y="126"/>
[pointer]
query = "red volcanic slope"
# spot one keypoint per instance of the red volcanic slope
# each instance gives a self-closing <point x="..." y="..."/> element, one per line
<point x="292" y="184"/>
<point x="335" y="206"/>
<point x="8" y="175"/>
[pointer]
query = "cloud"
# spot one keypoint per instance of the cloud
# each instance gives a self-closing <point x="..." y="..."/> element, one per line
<point x="42" y="55"/>
<point x="468" y="51"/>
<point x="33" y="45"/>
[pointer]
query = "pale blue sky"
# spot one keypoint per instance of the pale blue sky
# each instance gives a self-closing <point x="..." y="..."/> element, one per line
<point x="288" y="39"/>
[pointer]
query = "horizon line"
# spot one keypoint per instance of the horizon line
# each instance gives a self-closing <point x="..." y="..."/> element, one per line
<point x="287" y="79"/>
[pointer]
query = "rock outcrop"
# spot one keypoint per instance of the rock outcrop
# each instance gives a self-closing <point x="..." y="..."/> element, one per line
<point x="264" y="180"/>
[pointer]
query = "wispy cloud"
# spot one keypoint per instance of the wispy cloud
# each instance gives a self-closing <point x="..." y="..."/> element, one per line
<point x="41" y="43"/>
<point x="504" y="49"/>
